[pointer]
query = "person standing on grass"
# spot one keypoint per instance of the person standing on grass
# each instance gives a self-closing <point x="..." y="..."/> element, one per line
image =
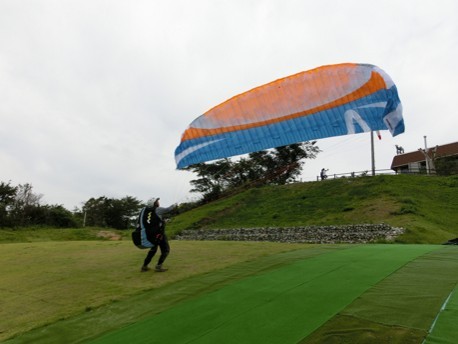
<point x="323" y="174"/>
<point x="151" y="219"/>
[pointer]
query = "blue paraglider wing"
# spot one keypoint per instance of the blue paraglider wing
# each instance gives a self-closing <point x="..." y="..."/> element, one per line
<point x="327" y="101"/>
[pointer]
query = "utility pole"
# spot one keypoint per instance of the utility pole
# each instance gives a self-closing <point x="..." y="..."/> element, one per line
<point x="372" y="153"/>
<point x="429" y="158"/>
<point x="428" y="168"/>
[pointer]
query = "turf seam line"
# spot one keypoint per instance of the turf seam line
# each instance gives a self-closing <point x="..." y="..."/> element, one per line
<point x="405" y="264"/>
<point x="439" y="313"/>
<point x="378" y="322"/>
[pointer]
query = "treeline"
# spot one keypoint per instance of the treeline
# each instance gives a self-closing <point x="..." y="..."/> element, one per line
<point x="21" y="207"/>
<point x="110" y="212"/>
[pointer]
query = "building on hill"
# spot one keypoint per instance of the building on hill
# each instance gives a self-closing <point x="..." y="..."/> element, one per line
<point x="441" y="160"/>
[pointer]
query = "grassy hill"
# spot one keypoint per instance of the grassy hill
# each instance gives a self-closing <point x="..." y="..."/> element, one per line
<point x="426" y="206"/>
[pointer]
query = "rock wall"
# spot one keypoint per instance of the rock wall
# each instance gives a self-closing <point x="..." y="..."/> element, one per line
<point x="363" y="233"/>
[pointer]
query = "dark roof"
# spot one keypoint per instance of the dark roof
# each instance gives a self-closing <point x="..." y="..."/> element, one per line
<point x="417" y="156"/>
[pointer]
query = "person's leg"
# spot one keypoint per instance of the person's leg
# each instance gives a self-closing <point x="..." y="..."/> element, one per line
<point x="165" y="250"/>
<point x="148" y="258"/>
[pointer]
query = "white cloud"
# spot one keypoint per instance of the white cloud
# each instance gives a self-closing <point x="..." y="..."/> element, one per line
<point x="95" y="94"/>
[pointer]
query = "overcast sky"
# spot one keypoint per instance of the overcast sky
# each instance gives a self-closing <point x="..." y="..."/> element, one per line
<point x="94" y="94"/>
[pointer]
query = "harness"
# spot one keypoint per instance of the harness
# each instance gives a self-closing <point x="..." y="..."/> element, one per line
<point x="149" y="230"/>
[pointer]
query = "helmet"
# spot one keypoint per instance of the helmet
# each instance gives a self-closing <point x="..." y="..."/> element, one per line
<point x="152" y="201"/>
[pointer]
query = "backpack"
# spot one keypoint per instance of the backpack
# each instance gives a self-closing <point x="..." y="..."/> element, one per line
<point x="149" y="230"/>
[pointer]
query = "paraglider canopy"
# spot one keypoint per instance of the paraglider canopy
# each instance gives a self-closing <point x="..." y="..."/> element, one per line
<point x="327" y="101"/>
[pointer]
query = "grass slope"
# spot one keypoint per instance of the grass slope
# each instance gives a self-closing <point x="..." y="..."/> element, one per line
<point x="425" y="206"/>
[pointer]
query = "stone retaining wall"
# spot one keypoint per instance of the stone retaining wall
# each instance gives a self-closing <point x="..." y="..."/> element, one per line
<point x="363" y="233"/>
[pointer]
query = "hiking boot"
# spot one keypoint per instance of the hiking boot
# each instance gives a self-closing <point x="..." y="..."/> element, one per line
<point x="144" y="269"/>
<point x="159" y="268"/>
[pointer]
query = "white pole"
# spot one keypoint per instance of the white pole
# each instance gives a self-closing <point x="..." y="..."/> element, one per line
<point x="372" y="153"/>
<point x="426" y="156"/>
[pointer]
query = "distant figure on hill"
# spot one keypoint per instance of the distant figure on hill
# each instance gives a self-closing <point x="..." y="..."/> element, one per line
<point x="323" y="174"/>
<point x="151" y="219"/>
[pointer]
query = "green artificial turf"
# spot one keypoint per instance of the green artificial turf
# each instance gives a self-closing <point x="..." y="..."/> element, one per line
<point x="399" y="309"/>
<point x="445" y="329"/>
<point x="281" y="306"/>
<point x="343" y="329"/>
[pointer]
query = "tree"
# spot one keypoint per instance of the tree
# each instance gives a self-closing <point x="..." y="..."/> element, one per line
<point x="95" y="210"/>
<point x="283" y="164"/>
<point x="121" y="212"/>
<point x="20" y="207"/>
<point x="447" y="165"/>
<point x="277" y="166"/>
<point x="213" y="178"/>
<point x="58" y="216"/>
<point x="7" y="197"/>
<point x="109" y="212"/>
<point x="25" y="195"/>
<point x="24" y="205"/>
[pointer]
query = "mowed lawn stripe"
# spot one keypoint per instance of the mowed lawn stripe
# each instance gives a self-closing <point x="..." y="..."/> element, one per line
<point x="282" y="306"/>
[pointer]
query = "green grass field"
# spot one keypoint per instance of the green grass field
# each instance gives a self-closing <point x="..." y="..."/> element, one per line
<point x="44" y="282"/>
<point x="73" y="286"/>
<point x="225" y="292"/>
